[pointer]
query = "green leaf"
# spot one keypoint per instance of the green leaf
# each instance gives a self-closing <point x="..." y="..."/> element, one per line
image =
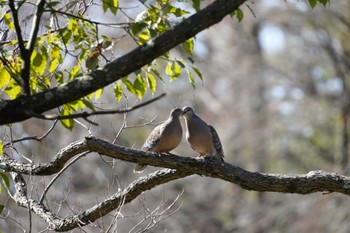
<point x="67" y="123"/>
<point x="39" y="61"/>
<point x="196" y="4"/>
<point x="137" y="27"/>
<point x="53" y="3"/>
<point x="73" y="106"/>
<point x="190" y="59"/>
<point x="5" y="77"/>
<point x="88" y="104"/>
<point x="198" y="72"/>
<point x="98" y="93"/>
<point x="144" y="36"/>
<point x="312" y="3"/>
<point x="163" y="26"/>
<point x="55" y="58"/>
<point x="43" y="83"/>
<point x="74" y="72"/>
<point x="13" y="90"/>
<point x="59" y="77"/>
<point x="118" y="91"/>
<point x="188" y="45"/>
<point x="36" y="58"/>
<point x="8" y="20"/>
<point x="153" y="14"/>
<point x="67" y="35"/>
<point x="178" y="12"/>
<point x="2" y="207"/>
<point x="152" y="83"/>
<point x="168" y="69"/>
<point x="238" y="14"/>
<point x="180" y="63"/>
<point x="140" y="86"/>
<point x="129" y="85"/>
<point x="112" y="5"/>
<point x="324" y="2"/>
<point x="191" y="79"/>
<point x="157" y="73"/>
<point x="5" y="180"/>
<point x="107" y="44"/>
<point x="92" y="62"/>
<point x="173" y="70"/>
<point x="84" y="53"/>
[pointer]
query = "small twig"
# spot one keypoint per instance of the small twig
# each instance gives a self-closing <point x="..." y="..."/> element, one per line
<point x="114" y="222"/>
<point x="115" y="25"/>
<point x="17" y="26"/>
<point x="58" y="174"/>
<point x="85" y="115"/>
<point x="158" y="213"/>
<point x="36" y="23"/>
<point x="125" y="116"/>
<point x="36" y="138"/>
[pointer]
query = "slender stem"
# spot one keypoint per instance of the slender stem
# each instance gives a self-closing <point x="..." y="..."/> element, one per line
<point x="36" y="24"/>
<point x="87" y="114"/>
<point x="23" y="51"/>
<point x="58" y="174"/>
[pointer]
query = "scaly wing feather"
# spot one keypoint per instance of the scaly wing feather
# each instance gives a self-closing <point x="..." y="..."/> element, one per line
<point x="217" y="143"/>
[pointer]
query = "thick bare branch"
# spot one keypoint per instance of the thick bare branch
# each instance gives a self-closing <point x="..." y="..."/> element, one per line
<point x="315" y="181"/>
<point x="17" y="110"/>
<point x="50" y="168"/>
<point x="126" y="196"/>
<point x="20" y="197"/>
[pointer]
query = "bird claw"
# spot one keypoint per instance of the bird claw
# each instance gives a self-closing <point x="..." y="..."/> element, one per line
<point x="205" y="157"/>
<point x="160" y="154"/>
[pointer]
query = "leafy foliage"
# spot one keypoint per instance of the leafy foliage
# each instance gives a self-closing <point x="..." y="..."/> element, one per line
<point x="74" y="37"/>
<point x="313" y="3"/>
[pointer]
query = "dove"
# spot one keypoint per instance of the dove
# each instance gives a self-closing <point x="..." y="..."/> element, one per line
<point x="163" y="138"/>
<point x="202" y="137"/>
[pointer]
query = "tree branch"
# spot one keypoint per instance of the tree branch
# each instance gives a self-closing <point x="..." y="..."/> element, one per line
<point x="16" y="110"/>
<point x="314" y="181"/>
<point x="20" y="197"/>
<point x="50" y="168"/>
<point x="21" y="43"/>
<point x="125" y="196"/>
<point x="36" y="138"/>
<point x="18" y="29"/>
<point x="36" y="23"/>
